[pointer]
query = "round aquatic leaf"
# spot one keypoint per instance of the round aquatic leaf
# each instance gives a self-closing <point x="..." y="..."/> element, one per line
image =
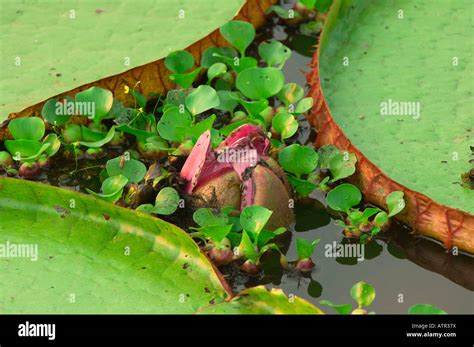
<point x="290" y="93"/>
<point x="208" y="216"/>
<point x="227" y="100"/>
<point x="215" y="70"/>
<point x="20" y="149"/>
<point x="395" y="203"/>
<point x="185" y="80"/>
<point x="54" y="144"/>
<point x="298" y="159"/>
<point x="166" y="201"/>
<point x="260" y="300"/>
<point x="201" y="99"/>
<point x="53" y="114"/>
<point x="99" y="143"/>
<point x="425" y="309"/>
<point x="343" y="197"/>
<point x="274" y="53"/>
<point x="285" y="124"/>
<point x="254" y="218"/>
<point x="303" y="187"/>
<point x="213" y="55"/>
<point x="216" y="233"/>
<point x="380" y="219"/>
<point x="342" y="165"/>
<point x="304" y="105"/>
<point x="363" y="293"/>
<point x="133" y="169"/>
<point x="95" y="102"/>
<point x="179" y="61"/>
<point x="239" y="34"/>
<point x="114" y="184"/>
<point x="174" y="124"/>
<point x="305" y="248"/>
<point x="260" y="83"/>
<point x="27" y="128"/>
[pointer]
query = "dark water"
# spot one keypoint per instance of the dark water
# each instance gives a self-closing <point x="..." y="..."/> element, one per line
<point x="405" y="270"/>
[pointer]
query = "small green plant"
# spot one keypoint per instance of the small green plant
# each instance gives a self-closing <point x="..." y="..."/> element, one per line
<point x="166" y="202"/>
<point x="30" y="146"/>
<point x="425" y="309"/>
<point x="364" y="224"/>
<point x="362" y="293"/>
<point x="304" y="250"/>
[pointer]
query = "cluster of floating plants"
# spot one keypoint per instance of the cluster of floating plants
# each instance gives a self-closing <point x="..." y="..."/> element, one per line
<point x="226" y="148"/>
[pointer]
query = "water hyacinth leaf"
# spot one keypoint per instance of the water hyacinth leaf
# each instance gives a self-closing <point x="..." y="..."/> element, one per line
<point x="425" y="309"/>
<point x="298" y="159"/>
<point x="27" y="128"/>
<point x="114" y="183"/>
<point x="176" y="97"/>
<point x="54" y="144"/>
<point x="216" y="232"/>
<point x="208" y="216"/>
<point x="213" y="55"/>
<point x="215" y="70"/>
<point x="227" y="100"/>
<point x="20" y="149"/>
<point x="303" y="187"/>
<point x="254" y="218"/>
<point x="201" y="99"/>
<point x="265" y="236"/>
<point x="285" y="124"/>
<point x="380" y="219"/>
<point x="166" y="201"/>
<point x="358" y="217"/>
<point x="51" y="113"/>
<point x="100" y="143"/>
<point x="198" y="129"/>
<point x="343" y="197"/>
<point x="395" y="203"/>
<point x="342" y="165"/>
<point x="363" y="293"/>
<point x="283" y="12"/>
<point x="89" y="135"/>
<point x="140" y="134"/>
<point x="304" y="105"/>
<point x="274" y="53"/>
<point x="254" y="108"/>
<point x="341" y="309"/>
<point x="290" y="93"/>
<point x="97" y="100"/>
<point x="172" y="122"/>
<point x="133" y="169"/>
<point x="305" y="248"/>
<point x="185" y="80"/>
<point x="326" y="153"/>
<point x="247" y="248"/>
<point x="260" y="83"/>
<point x="179" y="61"/>
<point x="239" y="34"/>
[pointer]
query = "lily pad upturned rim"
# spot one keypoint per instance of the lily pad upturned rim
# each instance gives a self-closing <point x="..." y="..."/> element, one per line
<point x="449" y="225"/>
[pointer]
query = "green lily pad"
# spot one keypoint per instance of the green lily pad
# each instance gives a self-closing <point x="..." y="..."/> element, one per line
<point x="239" y="34"/>
<point x="201" y="99"/>
<point x="133" y="169"/>
<point x="260" y="83"/>
<point x="27" y="128"/>
<point x="409" y="111"/>
<point x="343" y="197"/>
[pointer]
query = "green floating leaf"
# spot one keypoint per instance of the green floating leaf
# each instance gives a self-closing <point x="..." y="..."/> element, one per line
<point x="341" y="309"/>
<point x="305" y="248"/>
<point x="51" y="113"/>
<point x="342" y="165"/>
<point x="100" y="143"/>
<point x="112" y="188"/>
<point x="285" y="124"/>
<point x="179" y="61"/>
<point x="20" y="149"/>
<point x="96" y="100"/>
<point x="185" y="80"/>
<point x="201" y="99"/>
<point x="260" y="83"/>
<point x="216" y="233"/>
<point x="290" y="93"/>
<point x="216" y="70"/>
<point x="133" y="169"/>
<point x="381" y="219"/>
<point x="167" y="201"/>
<point x="254" y="218"/>
<point x="303" y="187"/>
<point x="274" y="53"/>
<point x="208" y="216"/>
<point x="174" y="124"/>
<point x="343" y="197"/>
<point x="239" y="34"/>
<point x="425" y="309"/>
<point x="304" y="105"/>
<point x="227" y="100"/>
<point x="326" y="153"/>
<point x="27" y="128"/>
<point x="395" y="203"/>
<point x="363" y="293"/>
<point x="298" y="159"/>
<point x="213" y="55"/>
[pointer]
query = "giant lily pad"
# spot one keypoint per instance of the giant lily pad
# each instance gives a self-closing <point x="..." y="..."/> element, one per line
<point x="93" y="257"/>
<point x="401" y="94"/>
